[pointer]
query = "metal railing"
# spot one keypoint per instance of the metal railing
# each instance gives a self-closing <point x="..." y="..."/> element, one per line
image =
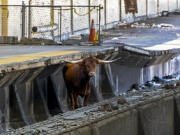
<point x="34" y="21"/>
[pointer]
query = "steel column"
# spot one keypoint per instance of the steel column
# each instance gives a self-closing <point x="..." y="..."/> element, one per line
<point x="29" y="20"/>
<point x="147" y="8"/>
<point x="158" y="7"/>
<point x="99" y="38"/>
<point x="23" y="11"/>
<point x="89" y="15"/>
<point x="105" y="12"/>
<point x="52" y="18"/>
<point x="72" y="16"/>
<point x="120" y="10"/>
<point x="60" y="23"/>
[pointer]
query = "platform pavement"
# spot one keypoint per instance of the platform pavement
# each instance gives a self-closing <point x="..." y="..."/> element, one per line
<point x="163" y="35"/>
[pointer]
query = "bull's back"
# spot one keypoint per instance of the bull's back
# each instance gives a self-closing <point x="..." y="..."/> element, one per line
<point x="71" y="73"/>
<point x="74" y="76"/>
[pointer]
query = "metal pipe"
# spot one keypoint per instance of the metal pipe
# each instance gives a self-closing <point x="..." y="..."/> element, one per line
<point x="52" y="18"/>
<point x="99" y="38"/>
<point x="120" y="11"/>
<point x="72" y="25"/>
<point x="60" y="24"/>
<point x="147" y="8"/>
<point x="105" y="12"/>
<point x="23" y="20"/>
<point x="52" y="13"/>
<point x="168" y="4"/>
<point x="29" y="21"/>
<point x="89" y="15"/>
<point x="158" y="7"/>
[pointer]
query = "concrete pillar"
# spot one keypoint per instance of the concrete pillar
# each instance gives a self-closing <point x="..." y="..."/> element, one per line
<point x="4" y="18"/>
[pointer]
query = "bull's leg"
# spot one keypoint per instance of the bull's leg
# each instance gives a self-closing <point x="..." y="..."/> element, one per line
<point x="76" y="102"/>
<point x="86" y="98"/>
<point x="87" y="95"/>
<point x="73" y="101"/>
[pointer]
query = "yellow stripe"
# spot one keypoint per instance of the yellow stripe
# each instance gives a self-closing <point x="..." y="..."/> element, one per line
<point x="22" y="58"/>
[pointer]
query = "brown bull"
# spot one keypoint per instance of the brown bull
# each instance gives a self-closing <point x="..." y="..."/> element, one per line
<point x="77" y="75"/>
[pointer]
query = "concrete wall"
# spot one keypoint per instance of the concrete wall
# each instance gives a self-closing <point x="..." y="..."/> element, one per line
<point x="155" y="118"/>
<point x="109" y="15"/>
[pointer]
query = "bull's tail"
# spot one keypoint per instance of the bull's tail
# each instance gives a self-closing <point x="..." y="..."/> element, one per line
<point x="64" y="70"/>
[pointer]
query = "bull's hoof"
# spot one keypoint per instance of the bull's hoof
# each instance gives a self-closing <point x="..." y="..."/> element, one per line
<point x="73" y="108"/>
<point x="76" y="106"/>
<point x="85" y="104"/>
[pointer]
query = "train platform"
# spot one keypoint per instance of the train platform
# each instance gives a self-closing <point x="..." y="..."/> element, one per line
<point x="151" y="37"/>
<point x="142" y="44"/>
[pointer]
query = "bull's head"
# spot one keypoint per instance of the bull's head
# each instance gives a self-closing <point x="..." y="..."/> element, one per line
<point x="90" y="64"/>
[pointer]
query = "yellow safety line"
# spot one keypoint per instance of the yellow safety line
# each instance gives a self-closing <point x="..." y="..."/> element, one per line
<point x="22" y="58"/>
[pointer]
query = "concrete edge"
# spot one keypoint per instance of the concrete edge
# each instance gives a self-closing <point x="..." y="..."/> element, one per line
<point x="135" y="104"/>
<point x="47" y="61"/>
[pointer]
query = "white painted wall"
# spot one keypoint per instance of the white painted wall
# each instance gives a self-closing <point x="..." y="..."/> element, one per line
<point x="127" y="17"/>
<point x="141" y="7"/>
<point x="94" y="14"/>
<point x="152" y="7"/>
<point x="41" y="16"/>
<point x="163" y="5"/>
<point x="172" y="4"/>
<point x="78" y="19"/>
<point x="112" y="11"/>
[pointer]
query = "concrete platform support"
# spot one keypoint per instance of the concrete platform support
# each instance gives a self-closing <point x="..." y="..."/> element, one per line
<point x="177" y="114"/>
<point x="34" y="95"/>
<point x="121" y="124"/>
<point x="157" y="118"/>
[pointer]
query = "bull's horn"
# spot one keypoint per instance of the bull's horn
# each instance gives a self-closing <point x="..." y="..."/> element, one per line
<point x="73" y="62"/>
<point x="107" y="61"/>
